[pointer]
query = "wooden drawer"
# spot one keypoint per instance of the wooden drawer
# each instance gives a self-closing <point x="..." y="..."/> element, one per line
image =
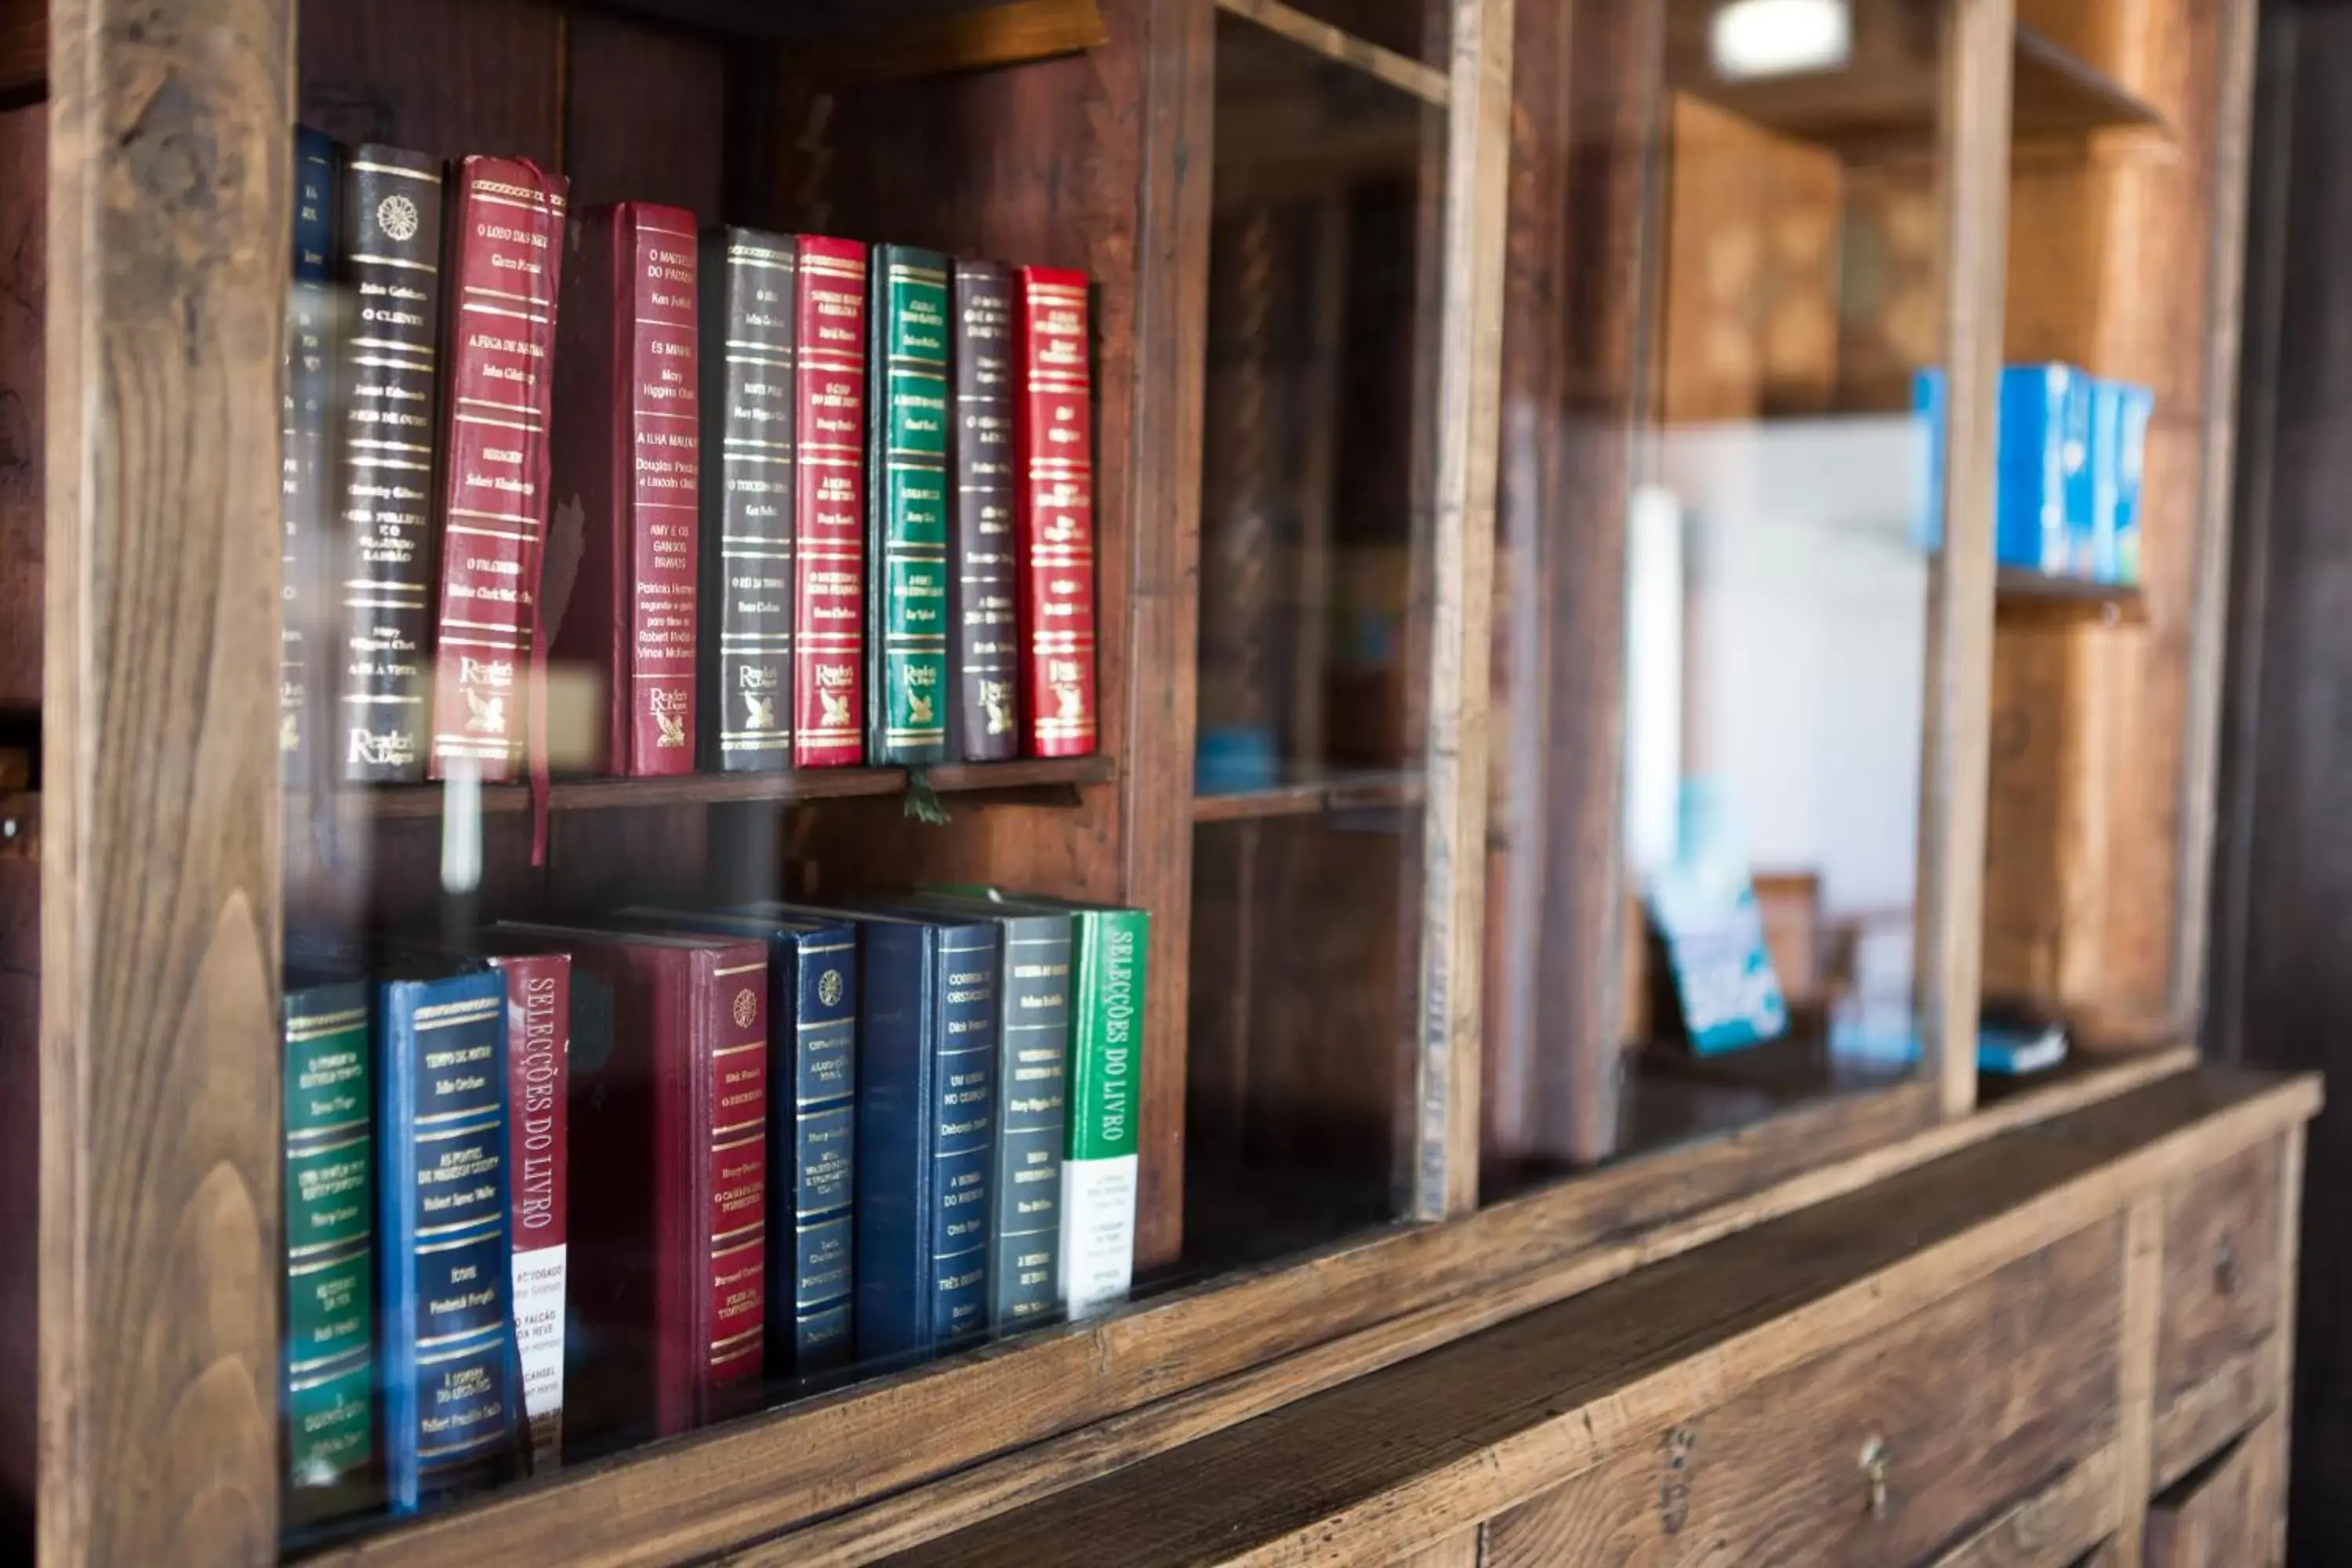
<point x="1967" y="1406"/>
<point x="2221" y="1269"/>
<point x="2226" y="1513"/>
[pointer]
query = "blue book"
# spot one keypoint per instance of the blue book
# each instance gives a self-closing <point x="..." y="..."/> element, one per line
<point x="813" y="990"/>
<point x="451" y="1382"/>
<point x="2119" y="457"/>
<point x="926" y="1127"/>
<point x="2044" y="499"/>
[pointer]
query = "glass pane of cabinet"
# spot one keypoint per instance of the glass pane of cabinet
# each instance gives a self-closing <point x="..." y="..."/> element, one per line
<point x="1743" y="451"/>
<point x="1315" y="592"/>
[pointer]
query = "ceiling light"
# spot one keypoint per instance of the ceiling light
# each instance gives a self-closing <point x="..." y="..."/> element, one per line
<point x="1751" y="39"/>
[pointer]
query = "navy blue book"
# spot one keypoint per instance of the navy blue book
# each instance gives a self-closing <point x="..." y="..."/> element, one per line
<point x="1025" y="1259"/>
<point x="926" y="1127"/>
<point x="812" y="1009"/>
<point x="302" y="457"/>
<point x="451" y="1382"/>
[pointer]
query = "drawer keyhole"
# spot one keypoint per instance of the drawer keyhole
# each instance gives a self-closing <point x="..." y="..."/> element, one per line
<point x="1874" y="1462"/>
<point x="2226" y="1277"/>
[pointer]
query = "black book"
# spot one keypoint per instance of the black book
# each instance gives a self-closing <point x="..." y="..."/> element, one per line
<point x="385" y="373"/>
<point x="745" y="666"/>
<point x="980" y="517"/>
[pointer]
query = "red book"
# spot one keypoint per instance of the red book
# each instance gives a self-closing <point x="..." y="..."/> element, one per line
<point x="670" y="1119"/>
<point x="1054" y="436"/>
<point x="627" y="450"/>
<point x="829" y="506"/>
<point x="538" y="1074"/>
<point x="505" y="243"/>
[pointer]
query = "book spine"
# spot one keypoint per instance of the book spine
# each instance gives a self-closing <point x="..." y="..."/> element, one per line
<point x="384" y="376"/>
<point x="1098" y="1178"/>
<point x="980" y="514"/>
<point x="662" y="488"/>
<point x="732" y="1313"/>
<point x="329" y="1238"/>
<point x="829" y="506"/>
<point x="1025" y="1241"/>
<point x="907" y="663"/>
<point x="745" y="668"/>
<point x="823" y="1215"/>
<point x="310" y="316"/>
<point x="539" y="1160"/>
<point x="449" y="1405"/>
<point x="1055" y="432"/>
<point x="964" y="1136"/>
<point x="506" y="222"/>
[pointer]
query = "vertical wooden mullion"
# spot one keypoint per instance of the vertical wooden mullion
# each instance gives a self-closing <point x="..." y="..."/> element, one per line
<point x="169" y="170"/>
<point x="1162" y="670"/>
<point x="2210" y="614"/>
<point x="2143" y="1302"/>
<point x="1973" y="137"/>
<point x="1443" y="1179"/>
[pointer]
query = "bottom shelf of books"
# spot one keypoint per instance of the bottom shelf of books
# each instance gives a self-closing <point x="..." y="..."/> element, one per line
<point x="579" y="1186"/>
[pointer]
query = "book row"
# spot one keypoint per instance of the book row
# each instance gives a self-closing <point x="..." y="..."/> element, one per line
<point x="778" y="500"/>
<point x="604" y="1182"/>
<point x="2071" y="450"/>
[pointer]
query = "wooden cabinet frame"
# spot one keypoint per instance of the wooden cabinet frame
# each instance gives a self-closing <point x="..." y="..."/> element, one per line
<point x="161" y="851"/>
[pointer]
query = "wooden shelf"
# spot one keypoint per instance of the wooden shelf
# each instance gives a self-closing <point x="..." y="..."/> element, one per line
<point x="1403" y="73"/>
<point x="843" y="42"/>
<point x="404" y="802"/>
<point x="2020" y="594"/>
<point x="1311" y="796"/>
<point x="1894" y="96"/>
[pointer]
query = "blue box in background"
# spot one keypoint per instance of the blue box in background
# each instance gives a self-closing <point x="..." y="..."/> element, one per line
<point x="2043" y="511"/>
<point x="2043" y="504"/>
<point x="2119" y="441"/>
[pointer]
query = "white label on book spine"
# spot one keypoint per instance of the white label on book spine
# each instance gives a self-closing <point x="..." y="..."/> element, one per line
<point x="539" y="1341"/>
<point x="1098" y="1232"/>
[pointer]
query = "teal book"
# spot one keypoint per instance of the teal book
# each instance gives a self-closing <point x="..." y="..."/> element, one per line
<point x="329" y="1246"/>
<point x="907" y="531"/>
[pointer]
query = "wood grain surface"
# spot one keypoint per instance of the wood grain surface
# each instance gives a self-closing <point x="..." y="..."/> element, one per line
<point x="1387" y="1464"/>
<point x="168" y="210"/>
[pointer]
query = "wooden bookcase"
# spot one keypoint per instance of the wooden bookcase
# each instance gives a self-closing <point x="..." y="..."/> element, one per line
<point x="1473" y="1024"/>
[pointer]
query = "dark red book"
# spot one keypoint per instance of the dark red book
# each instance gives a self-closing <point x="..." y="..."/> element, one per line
<point x="1054" y="436"/>
<point x="627" y="458"/>
<point x="505" y="239"/>
<point x="669" y="1178"/>
<point x="829" y="506"/>
<point x="539" y="1161"/>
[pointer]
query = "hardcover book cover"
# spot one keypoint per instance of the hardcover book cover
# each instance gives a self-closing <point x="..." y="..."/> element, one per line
<point x="748" y="393"/>
<point x="1102" y="1161"/>
<point x="907" y="541"/>
<point x="627" y="454"/>
<point x="926" y="1127"/>
<point x="309" y="350"/>
<point x="330" y="1241"/>
<point x="539" y="1075"/>
<point x="1053" y="420"/>
<point x="506" y="256"/>
<point x="450" y="1379"/>
<point x="829" y="506"/>
<point x="986" y="712"/>
<point x="668" y="1190"/>
<point x="813" y="988"/>
<point x="1034" y="985"/>
<point x="385" y="381"/>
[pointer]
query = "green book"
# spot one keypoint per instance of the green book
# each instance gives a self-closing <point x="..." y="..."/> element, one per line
<point x="329" y="1239"/>
<point x="906" y="410"/>
<point x="1105" y="1082"/>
